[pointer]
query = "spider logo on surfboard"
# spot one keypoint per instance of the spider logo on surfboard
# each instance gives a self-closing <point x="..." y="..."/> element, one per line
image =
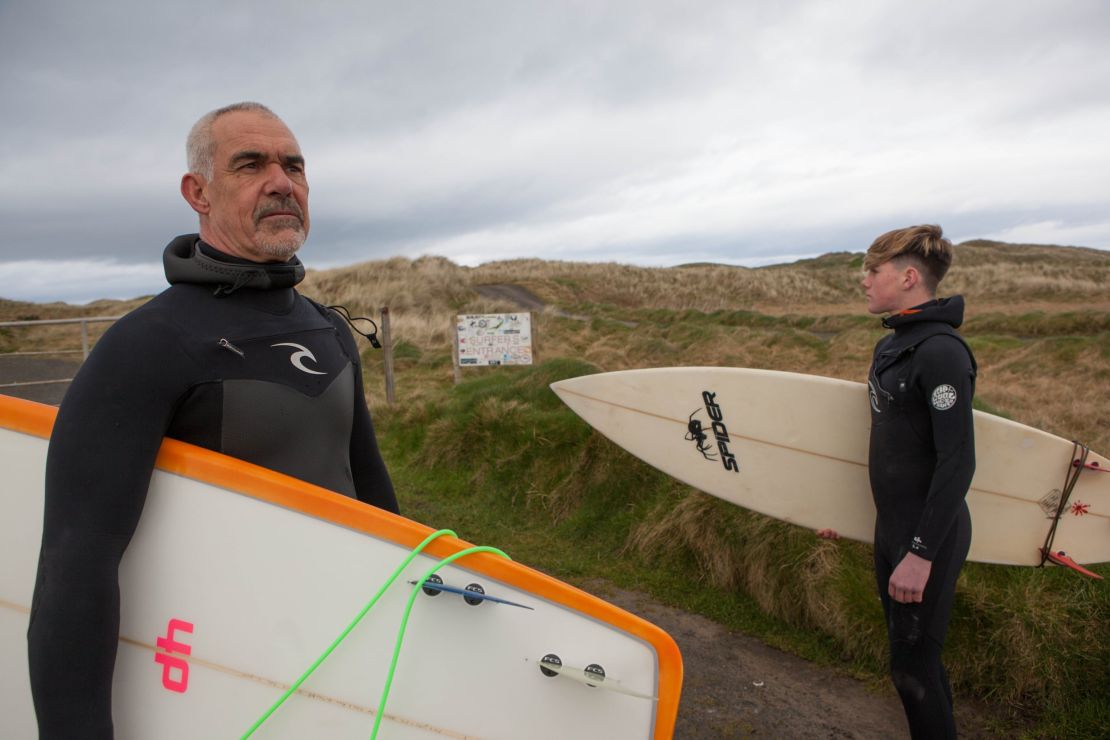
<point x="695" y="432"/>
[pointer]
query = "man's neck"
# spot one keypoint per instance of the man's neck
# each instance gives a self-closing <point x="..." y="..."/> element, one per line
<point x="223" y="256"/>
<point x="915" y="299"/>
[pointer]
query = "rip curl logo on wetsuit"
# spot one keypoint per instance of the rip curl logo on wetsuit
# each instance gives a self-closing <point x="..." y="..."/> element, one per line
<point x="874" y="395"/>
<point x="944" y="397"/>
<point x="298" y="358"/>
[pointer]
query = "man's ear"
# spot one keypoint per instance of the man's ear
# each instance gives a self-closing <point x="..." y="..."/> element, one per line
<point x="911" y="277"/>
<point x="194" y="189"/>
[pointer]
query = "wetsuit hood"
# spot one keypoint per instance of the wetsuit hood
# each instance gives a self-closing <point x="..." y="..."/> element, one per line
<point x="945" y="310"/>
<point x="189" y="260"/>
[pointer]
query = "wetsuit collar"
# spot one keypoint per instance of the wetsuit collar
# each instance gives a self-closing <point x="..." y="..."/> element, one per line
<point x="945" y="310"/>
<point x="189" y="260"/>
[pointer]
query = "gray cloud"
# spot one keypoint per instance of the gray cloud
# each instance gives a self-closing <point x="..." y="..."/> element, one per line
<point x="639" y="131"/>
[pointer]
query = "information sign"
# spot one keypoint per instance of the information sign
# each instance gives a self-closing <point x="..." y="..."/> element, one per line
<point x="495" y="339"/>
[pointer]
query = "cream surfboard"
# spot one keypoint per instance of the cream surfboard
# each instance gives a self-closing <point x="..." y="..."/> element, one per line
<point x="794" y="447"/>
<point x="239" y="578"/>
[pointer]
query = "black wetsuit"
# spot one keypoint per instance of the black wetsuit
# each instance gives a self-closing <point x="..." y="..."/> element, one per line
<point x="921" y="461"/>
<point x="231" y="358"/>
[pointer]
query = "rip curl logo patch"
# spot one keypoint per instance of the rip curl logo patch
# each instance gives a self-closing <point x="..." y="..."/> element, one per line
<point x="944" y="397"/>
<point x="874" y="397"/>
<point x="298" y="358"/>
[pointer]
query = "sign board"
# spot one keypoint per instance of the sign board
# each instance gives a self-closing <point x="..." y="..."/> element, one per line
<point x="494" y="339"/>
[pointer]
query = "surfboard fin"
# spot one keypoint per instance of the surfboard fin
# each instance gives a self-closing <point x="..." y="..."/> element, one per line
<point x="1093" y="465"/>
<point x="1061" y="558"/>
<point x="473" y="594"/>
<point x="592" y="675"/>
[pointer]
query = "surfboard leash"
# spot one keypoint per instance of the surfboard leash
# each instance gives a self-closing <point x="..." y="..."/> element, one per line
<point x="1078" y="464"/>
<point x="405" y="620"/>
<point x="354" y="623"/>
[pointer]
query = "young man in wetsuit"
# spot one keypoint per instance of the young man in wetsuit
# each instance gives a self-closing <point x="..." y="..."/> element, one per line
<point x="230" y="357"/>
<point x="921" y="461"/>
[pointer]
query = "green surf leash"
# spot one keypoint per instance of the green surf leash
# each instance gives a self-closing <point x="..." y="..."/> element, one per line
<point x="404" y="624"/>
<point x="354" y="623"/>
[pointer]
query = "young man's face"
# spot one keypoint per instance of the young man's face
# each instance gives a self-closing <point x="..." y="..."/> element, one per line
<point x="258" y="194"/>
<point x="885" y="287"/>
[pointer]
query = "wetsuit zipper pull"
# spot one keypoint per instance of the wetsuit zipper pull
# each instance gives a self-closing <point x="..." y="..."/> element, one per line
<point x="228" y="345"/>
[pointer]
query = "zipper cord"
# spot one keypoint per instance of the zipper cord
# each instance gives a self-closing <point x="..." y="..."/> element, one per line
<point x="372" y="336"/>
<point x="241" y="279"/>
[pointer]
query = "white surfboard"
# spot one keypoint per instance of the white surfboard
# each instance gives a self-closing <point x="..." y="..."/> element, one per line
<point x="795" y="446"/>
<point x="239" y="578"/>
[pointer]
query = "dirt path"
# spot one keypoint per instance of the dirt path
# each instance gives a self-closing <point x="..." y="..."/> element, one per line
<point x="529" y="301"/>
<point x="737" y="687"/>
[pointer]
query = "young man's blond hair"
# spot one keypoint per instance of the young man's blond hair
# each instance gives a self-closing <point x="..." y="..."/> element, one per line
<point x="924" y="246"/>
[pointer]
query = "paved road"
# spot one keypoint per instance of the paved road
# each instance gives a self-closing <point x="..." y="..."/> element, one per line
<point x="23" y="369"/>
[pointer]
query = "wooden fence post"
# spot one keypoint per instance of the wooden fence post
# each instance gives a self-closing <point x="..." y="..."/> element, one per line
<point x="387" y="355"/>
<point x="532" y="338"/>
<point x="454" y="334"/>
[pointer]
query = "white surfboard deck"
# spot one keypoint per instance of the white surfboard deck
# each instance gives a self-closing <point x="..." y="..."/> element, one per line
<point x="263" y="572"/>
<point x="801" y="442"/>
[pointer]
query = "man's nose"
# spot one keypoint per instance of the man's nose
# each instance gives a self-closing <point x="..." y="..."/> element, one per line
<point x="277" y="180"/>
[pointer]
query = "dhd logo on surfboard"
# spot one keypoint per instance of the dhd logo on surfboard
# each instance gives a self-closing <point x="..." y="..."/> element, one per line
<point x="695" y="433"/>
<point x="171" y="660"/>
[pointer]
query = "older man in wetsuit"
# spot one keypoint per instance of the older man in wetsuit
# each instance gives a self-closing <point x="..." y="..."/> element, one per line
<point x="230" y="357"/>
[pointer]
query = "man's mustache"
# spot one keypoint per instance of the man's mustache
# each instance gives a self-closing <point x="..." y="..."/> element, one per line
<point x="287" y="205"/>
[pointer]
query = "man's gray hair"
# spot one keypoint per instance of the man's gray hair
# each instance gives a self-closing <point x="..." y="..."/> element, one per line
<point x="200" y="147"/>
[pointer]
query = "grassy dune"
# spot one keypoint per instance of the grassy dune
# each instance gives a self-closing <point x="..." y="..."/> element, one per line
<point x="499" y="459"/>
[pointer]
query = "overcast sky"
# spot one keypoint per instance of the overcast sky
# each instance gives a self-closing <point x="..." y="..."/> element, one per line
<point x="644" y="132"/>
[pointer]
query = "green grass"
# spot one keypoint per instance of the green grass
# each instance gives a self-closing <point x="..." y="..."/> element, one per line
<point x="1040" y="323"/>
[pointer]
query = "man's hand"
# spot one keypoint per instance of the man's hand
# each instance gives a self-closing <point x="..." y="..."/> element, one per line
<point x="828" y="534"/>
<point x="907" y="582"/>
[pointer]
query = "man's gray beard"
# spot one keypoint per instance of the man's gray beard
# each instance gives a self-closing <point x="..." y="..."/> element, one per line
<point x="283" y="247"/>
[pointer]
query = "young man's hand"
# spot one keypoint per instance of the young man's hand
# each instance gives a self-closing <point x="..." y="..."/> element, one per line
<point x="907" y="582"/>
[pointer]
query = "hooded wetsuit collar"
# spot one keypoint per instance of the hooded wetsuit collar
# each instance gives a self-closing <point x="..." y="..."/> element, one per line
<point x="189" y="260"/>
<point x="945" y="310"/>
<point x="914" y="325"/>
